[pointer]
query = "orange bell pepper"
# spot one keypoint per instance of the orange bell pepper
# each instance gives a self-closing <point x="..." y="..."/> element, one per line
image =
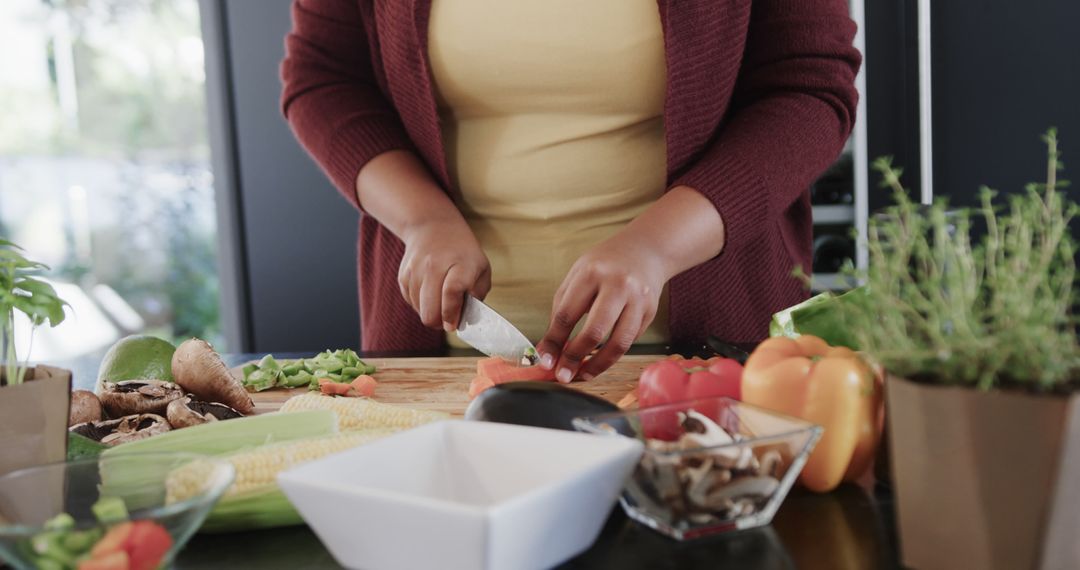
<point x="829" y="386"/>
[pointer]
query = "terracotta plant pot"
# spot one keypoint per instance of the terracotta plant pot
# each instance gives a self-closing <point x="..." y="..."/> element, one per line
<point x="984" y="479"/>
<point x="33" y="418"/>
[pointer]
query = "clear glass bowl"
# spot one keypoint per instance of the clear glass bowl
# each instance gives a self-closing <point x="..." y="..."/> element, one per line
<point x="31" y="497"/>
<point x="686" y="490"/>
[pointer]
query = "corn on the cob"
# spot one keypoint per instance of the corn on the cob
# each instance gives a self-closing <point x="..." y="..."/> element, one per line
<point x="228" y="436"/>
<point x="363" y="413"/>
<point x="257" y="468"/>
<point x="254" y="499"/>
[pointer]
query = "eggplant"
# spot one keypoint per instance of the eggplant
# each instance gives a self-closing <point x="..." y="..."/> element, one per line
<point x="537" y="404"/>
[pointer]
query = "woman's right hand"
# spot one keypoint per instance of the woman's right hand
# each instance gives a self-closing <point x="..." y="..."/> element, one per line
<point x="443" y="261"/>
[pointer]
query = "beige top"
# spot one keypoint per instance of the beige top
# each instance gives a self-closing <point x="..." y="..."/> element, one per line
<point x="552" y="119"/>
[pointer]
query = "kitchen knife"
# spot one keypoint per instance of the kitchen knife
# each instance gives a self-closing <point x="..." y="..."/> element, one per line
<point x="487" y="331"/>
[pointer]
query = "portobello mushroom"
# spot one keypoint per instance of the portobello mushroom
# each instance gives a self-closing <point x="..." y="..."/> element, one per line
<point x="85" y="407"/>
<point x="138" y="397"/>
<point x="200" y="371"/>
<point x="186" y="412"/>
<point x="122" y="430"/>
<point x="538" y="404"/>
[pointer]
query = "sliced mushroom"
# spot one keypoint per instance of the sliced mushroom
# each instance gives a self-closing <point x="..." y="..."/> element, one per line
<point x="186" y="412"/>
<point x="702" y="430"/>
<point x="756" y="487"/>
<point x="770" y="463"/>
<point x="85" y="407"/>
<point x="138" y="397"/>
<point x="123" y="430"/>
<point x="200" y="371"/>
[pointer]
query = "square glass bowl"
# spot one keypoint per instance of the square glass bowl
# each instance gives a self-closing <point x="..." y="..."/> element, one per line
<point x="48" y="518"/>
<point x="688" y="486"/>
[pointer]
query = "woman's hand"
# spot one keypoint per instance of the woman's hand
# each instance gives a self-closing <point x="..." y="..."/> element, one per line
<point x="442" y="262"/>
<point x="442" y="258"/>
<point x="618" y="282"/>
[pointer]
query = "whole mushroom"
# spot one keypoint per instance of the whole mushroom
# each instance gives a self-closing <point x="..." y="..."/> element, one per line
<point x="138" y="397"/>
<point x="186" y="412"/>
<point x="85" y="407"/>
<point x="123" y="430"/>
<point x="200" y="371"/>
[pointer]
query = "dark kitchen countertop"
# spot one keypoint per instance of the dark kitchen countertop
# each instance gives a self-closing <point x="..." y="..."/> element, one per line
<point x="851" y="528"/>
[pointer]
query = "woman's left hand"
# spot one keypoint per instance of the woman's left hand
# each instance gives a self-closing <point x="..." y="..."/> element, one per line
<point x="618" y="283"/>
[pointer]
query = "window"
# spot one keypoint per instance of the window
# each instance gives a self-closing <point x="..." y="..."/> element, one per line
<point x="105" y="166"/>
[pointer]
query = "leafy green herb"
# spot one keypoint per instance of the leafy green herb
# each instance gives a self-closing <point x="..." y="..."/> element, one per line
<point x="20" y="290"/>
<point x="941" y="308"/>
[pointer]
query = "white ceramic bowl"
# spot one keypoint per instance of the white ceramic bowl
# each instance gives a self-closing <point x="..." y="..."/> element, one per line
<point x="461" y="494"/>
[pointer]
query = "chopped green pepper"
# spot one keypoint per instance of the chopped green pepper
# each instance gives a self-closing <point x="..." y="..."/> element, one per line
<point x="62" y="521"/>
<point x="342" y="365"/>
<point x="50" y="546"/>
<point x="110" y="509"/>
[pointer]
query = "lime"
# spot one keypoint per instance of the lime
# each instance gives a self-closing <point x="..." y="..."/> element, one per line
<point x="137" y="357"/>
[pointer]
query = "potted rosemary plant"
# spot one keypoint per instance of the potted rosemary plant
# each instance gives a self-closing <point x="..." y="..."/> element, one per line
<point x="979" y="339"/>
<point x="33" y="400"/>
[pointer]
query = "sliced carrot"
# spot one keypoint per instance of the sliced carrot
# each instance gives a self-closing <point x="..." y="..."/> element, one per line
<point x="112" y="541"/>
<point x="331" y="388"/>
<point x="500" y="371"/>
<point x="115" y="560"/>
<point x="364" y="385"/>
<point x="479" y="384"/>
<point x="629" y="401"/>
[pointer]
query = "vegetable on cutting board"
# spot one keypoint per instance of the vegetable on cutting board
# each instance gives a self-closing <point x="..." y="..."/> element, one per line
<point x="830" y="386"/>
<point x="363" y="385"/>
<point x="492" y="371"/>
<point x="341" y="366"/>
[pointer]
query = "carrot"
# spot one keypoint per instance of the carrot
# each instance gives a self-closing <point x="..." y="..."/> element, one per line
<point x="331" y="388"/>
<point x="364" y="385"/>
<point x="629" y="401"/>
<point x="500" y="371"/>
<point x="479" y="384"/>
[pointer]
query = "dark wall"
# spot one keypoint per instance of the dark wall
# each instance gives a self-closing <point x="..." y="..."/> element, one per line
<point x="299" y="235"/>
<point x="892" y="84"/>
<point x="1003" y="72"/>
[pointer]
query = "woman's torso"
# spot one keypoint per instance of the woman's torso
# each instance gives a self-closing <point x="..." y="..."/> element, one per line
<point x="554" y="134"/>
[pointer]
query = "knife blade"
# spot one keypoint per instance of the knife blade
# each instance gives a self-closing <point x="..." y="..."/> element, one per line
<point x="484" y="329"/>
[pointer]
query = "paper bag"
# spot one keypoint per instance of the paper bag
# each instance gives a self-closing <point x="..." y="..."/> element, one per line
<point x="33" y="419"/>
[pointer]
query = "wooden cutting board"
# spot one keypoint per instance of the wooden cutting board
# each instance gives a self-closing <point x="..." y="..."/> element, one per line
<point x="443" y="383"/>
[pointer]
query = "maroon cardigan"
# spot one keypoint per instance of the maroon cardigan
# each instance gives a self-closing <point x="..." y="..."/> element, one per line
<point x="760" y="100"/>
